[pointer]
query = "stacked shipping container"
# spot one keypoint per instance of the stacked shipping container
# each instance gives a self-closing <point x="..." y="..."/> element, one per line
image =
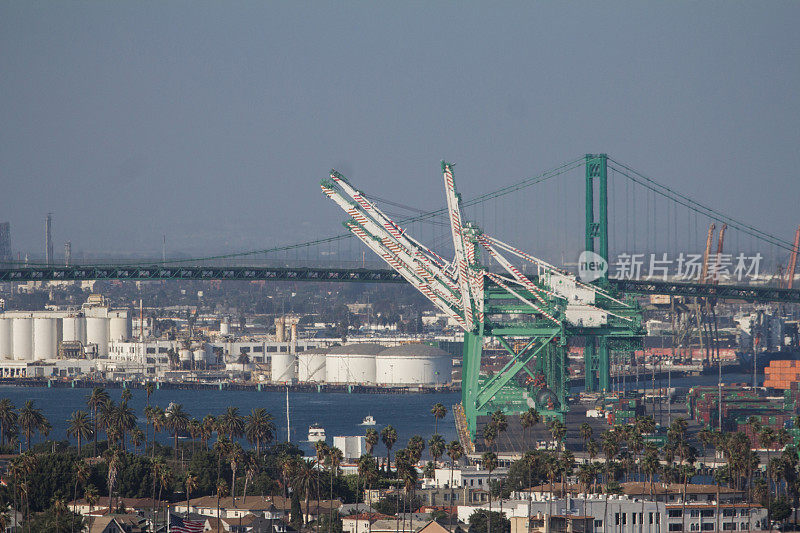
<point x="781" y="374"/>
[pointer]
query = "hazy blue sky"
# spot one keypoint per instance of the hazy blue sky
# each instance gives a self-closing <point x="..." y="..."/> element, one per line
<point x="213" y="122"/>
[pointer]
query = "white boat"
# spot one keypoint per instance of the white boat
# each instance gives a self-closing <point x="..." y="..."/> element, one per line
<point x="369" y="420"/>
<point x="316" y="433"/>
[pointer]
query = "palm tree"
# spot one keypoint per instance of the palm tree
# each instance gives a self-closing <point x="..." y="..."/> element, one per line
<point x="415" y="446"/>
<point x="489" y="435"/>
<point x="222" y="491"/>
<point x="149" y="388"/>
<point x="489" y="463"/>
<point x="148" y="416"/>
<point x="436" y="447"/>
<point x="500" y="422"/>
<point x="31" y="420"/>
<point x="258" y="427"/>
<point x="454" y="451"/>
<point x="585" y="432"/>
<point x="559" y="431"/>
<point x="388" y="437"/>
<point x="438" y="411"/>
<point x="333" y="459"/>
<point x="367" y="474"/>
<point x="527" y="420"/>
<point x="156" y="466"/>
<point x="97" y="398"/>
<point x="177" y="421"/>
<point x="321" y="449"/>
<point x="304" y="473"/>
<point x="113" y="459"/>
<point x="8" y="418"/>
<point x="137" y="438"/>
<point x="80" y="427"/>
<point x="208" y="425"/>
<point x="124" y="419"/>
<point x="235" y="455"/>
<point x="105" y="421"/>
<point x="231" y="423"/>
<point x="610" y="446"/>
<point x="81" y="475"/>
<point x="371" y="439"/>
<point x="250" y="470"/>
<point x="159" y="423"/>
<point x="190" y="483"/>
<point x="126" y="395"/>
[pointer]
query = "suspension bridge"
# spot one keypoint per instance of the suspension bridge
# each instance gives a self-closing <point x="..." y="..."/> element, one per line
<point x="642" y="217"/>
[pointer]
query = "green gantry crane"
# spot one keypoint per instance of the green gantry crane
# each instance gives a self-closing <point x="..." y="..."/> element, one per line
<point x="532" y="317"/>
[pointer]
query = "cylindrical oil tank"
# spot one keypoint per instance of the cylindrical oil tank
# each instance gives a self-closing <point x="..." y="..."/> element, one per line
<point x="284" y="367"/>
<point x="23" y="339"/>
<point x="413" y="364"/>
<point x="45" y="338"/>
<point x="185" y="355"/>
<point x="73" y="329"/>
<point x="311" y="365"/>
<point x="119" y="328"/>
<point x="352" y="363"/>
<point x="6" y="338"/>
<point x="97" y="333"/>
<point x="200" y="355"/>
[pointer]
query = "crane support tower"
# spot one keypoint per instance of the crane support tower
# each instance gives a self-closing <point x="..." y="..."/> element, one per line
<point x="531" y="316"/>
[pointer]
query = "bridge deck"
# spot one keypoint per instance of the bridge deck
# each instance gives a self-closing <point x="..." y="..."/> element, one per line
<point x="750" y="293"/>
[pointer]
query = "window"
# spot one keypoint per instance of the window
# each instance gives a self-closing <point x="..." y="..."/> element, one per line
<point x="301" y="349"/>
<point x="624" y="518"/>
<point x="707" y="513"/>
<point x="151" y="350"/>
<point x="744" y="512"/>
<point x="616" y="519"/>
<point x="675" y="513"/>
<point x="258" y="349"/>
<point x="244" y="349"/>
<point x="272" y="348"/>
<point x="651" y="518"/>
<point x="283" y="348"/>
<point x="709" y="526"/>
<point x="598" y="524"/>
<point x="162" y="350"/>
<point x="694" y="513"/>
<point x="694" y="527"/>
<point x="675" y="527"/>
<point x="729" y="526"/>
<point x="729" y="512"/>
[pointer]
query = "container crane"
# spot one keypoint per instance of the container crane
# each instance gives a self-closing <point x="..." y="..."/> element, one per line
<point x="531" y="316"/>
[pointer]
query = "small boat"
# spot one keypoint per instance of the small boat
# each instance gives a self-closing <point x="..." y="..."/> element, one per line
<point x="316" y="433"/>
<point x="369" y="420"/>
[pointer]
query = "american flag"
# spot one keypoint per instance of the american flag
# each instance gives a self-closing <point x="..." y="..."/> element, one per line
<point x="179" y="525"/>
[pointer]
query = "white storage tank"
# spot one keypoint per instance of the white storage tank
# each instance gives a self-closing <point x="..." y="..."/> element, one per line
<point x="119" y="326"/>
<point x="23" y="339"/>
<point x="284" y="367"/>
<point x="185" y="355"/>
<point x="73" y="329"/>
<point x="97" y="333"/>
<point x="225" y="327"/>
<point x="413" y="364"/>
<point x="352" y="363"/>
<point x="311" y="365"/>
<point x="45" y="338"/>
<point x="6" y="338"/>
<point x="200" y="355"/>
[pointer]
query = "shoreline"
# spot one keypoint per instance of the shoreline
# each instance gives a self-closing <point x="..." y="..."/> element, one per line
<point x="224" y="386"/>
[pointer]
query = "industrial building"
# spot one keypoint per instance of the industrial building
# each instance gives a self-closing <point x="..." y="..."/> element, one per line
<point x="38" y="335"/>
